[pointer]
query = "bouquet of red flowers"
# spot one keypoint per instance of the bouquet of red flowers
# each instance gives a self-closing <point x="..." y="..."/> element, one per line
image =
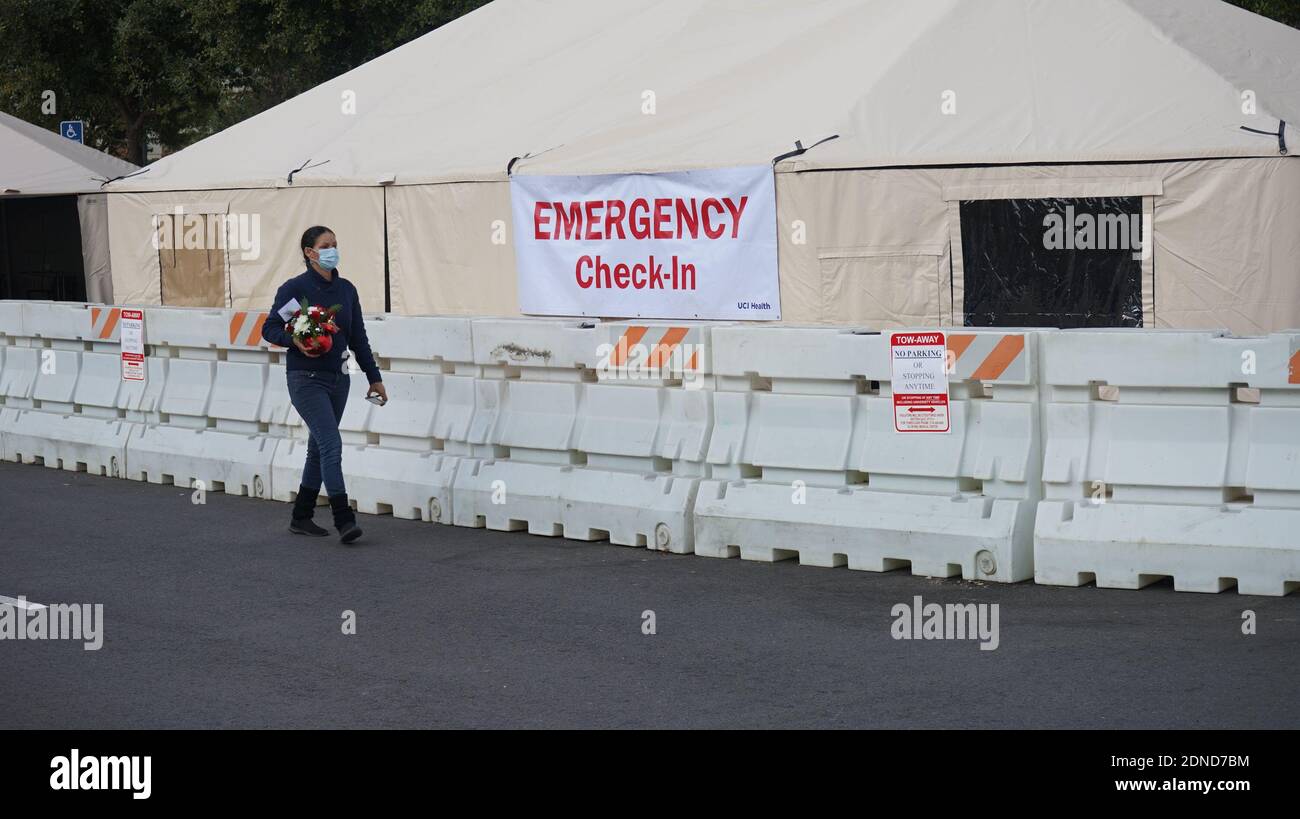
<point x="314" y="326"/>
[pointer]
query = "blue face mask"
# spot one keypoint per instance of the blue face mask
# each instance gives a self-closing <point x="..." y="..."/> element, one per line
<point x="328" y="258"/>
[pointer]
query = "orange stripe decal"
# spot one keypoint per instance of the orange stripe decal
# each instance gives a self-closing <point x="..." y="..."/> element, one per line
<point x="111" y="324"/>
<point x="1003" y="354"/>
<point x="236" y="323"/>
<point x="957" y="344"/>
<point x="626" y="342"/>
<point x="94" y="315"/>
<point x="663" y="351"/>
<point x="695" y="361"/>
<point x="255" y="332"/>
<point x="1294" y="377"/>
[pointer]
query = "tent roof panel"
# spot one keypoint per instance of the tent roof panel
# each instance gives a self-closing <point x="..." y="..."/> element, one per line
<point x="36" y="161"/>
<point x="737" y="83"/>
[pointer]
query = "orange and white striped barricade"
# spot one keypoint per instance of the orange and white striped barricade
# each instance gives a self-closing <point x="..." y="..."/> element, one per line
<point x="104" y="330"/>
<point x="1171" y="454"/>
<point x="210" y="334"/>
<point x="806" y="460"/>
<point x="136" y="401"/>
<point x="590" y="430"/>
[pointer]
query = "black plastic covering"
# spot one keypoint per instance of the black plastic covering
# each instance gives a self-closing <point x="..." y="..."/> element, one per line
<point x="1052" y="262"/>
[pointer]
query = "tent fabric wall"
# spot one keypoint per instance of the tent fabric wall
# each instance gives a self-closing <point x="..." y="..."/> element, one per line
<point x="1227" y="248"/>
<point x="875" y="247"/>
<point x="882" y="247"/>
<point x="93" y="211"/>
<point x="451" y="251"/>
<point x="280" y="215"/>
<point x="1224" y="256"/>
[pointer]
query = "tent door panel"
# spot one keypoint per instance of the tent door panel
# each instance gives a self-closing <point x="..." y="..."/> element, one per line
<point x="192" y="260"/>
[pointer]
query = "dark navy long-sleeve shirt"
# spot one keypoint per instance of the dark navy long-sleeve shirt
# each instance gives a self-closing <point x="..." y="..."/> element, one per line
<point x="316" y="289"/>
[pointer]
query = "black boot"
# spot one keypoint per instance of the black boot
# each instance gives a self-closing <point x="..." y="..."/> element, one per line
<point x="344" y="519"/>
<point x="303" y="506"/>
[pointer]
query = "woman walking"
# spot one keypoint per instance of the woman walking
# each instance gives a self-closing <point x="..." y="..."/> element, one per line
<point x="318" y="380"/>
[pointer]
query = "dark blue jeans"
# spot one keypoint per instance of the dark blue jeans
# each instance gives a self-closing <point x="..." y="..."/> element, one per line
<point x="320" y="398"/>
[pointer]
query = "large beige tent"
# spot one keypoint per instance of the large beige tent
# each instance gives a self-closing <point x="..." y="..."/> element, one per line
<point x="53" y="220"/>
<point x="957" y="124"/>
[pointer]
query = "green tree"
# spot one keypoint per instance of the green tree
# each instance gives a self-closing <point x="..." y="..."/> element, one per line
<point x="1284" y="11"/>
<point x="126" y="67"/>
<point x="175" y="71"/>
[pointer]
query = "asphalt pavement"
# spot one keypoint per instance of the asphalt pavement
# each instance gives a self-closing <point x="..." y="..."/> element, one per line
<point x="216" y="617"/>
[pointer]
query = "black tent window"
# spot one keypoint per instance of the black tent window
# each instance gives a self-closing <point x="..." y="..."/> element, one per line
<point x="40" y="249"/>
<point x="1056" y="262"/>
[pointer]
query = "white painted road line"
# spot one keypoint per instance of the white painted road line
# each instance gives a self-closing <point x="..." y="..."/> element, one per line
<point x="22" y="604"/>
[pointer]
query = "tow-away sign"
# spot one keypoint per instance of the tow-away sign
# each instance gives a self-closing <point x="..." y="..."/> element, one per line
<point x="920" y="381"/>
<point x="132" y="338"/>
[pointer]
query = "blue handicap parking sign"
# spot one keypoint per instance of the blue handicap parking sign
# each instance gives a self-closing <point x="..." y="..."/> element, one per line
<point x="73" y="129"/>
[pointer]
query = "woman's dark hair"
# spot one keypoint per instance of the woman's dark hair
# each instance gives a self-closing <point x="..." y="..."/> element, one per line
<point x="309" y="237"/>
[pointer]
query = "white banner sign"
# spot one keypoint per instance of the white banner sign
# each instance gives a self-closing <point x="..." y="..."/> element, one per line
<point x="687" y="245"/>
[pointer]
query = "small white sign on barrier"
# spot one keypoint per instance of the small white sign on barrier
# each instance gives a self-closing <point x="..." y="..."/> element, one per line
<point x="132" y="337"/>
<point x="920" y="382"/>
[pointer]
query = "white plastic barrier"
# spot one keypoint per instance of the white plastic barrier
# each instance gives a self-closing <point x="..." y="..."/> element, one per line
<point x="42" y="391"/>
<point x="806" y="461"/>
<point x="18" y="375"/>
<point x="396" y="458"/>
<point x="15" y="377"/>
<point x="69" y="442"/>
<point x="11" y="323"/>
<point x="195" y="417"/>
<point x="56" y="325"/>
<point x="101" y="392"/>
<point x="209" y="433"/>
<point x="1171" y="454"/>
<point x="276" y="413"/>
<point x="200" y="438"/>
<point x="65" y="404"/>
<point x="210" y="334"/>
<point x="590" y="430"/>
<point x="53" y="430"/>
<point x="1119" y="456"/>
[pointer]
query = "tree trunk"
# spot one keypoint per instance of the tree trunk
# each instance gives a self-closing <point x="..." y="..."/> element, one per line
<point x="136" y="138"/>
